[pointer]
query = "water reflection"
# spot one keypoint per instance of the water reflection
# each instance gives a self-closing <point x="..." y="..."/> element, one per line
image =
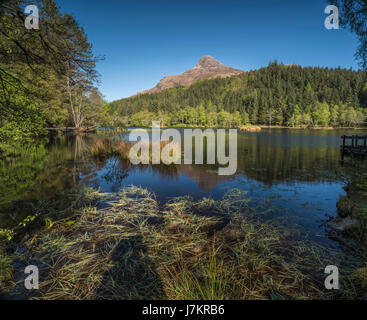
<point x="300" y="169"/>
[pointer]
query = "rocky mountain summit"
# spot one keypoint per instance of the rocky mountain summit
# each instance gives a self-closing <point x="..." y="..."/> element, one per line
<point x="207" y="68"/>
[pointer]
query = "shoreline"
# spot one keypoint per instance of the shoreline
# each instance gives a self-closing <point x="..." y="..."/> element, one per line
<point x="252" y="126"/>
<point x="313" y="128"/>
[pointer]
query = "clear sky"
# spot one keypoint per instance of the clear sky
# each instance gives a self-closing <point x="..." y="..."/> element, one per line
<point x="145" y="40"/>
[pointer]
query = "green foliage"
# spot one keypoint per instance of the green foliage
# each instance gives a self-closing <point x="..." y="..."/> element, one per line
<point x="6" y="234"/>
<point x="363" y="96"/>
<point x="321" y="114"/>
<point x="9" y="233"/>
<point x="277" y="95"/>
<point x="21" y="118"/>
<point x="20" y="170"/>
<point x="353" y="16"/>
<point x="190" y="117"/>
<point x="142" y="119"/>
<point x="49" y="223"/>
<point x="47" y="76"/>
<point x="27" y="220"/>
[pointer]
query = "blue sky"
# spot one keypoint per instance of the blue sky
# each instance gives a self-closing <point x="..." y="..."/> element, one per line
<point x="143" y="41"/>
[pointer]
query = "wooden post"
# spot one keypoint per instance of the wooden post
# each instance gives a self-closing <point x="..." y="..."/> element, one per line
<point x="352" y="141"/>
<point x="365" y="142"/>
<point x="356" y="146"/>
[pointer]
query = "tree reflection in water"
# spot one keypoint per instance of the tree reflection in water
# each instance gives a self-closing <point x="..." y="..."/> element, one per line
<point x="271" y="158"/>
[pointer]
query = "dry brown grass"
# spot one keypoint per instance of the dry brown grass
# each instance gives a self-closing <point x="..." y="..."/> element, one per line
<point x="106" y="148"/>
<point x="135" y="249"/>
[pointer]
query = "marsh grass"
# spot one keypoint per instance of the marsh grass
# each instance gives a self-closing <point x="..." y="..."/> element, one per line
<point x="105" y="148"/>
<point x="133" y="247"/>
<point x="102" y="149"/>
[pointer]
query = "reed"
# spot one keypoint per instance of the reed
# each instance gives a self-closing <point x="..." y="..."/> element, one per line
<point x="106" y="148"/>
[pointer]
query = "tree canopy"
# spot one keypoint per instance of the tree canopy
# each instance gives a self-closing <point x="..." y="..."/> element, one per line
<point x="50" y="71"/>
<point x="275" y="95"/>
<point x="353" y="16"/>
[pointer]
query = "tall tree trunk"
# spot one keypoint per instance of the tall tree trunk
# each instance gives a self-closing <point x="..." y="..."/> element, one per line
<point x="68" y="88"/>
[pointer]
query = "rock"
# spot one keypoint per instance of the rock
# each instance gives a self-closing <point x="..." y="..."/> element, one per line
<point x="343" y="224"/>
<point x="333" y="235"/>
<point x="344" y="206"/>
<point x="207" y="68"/>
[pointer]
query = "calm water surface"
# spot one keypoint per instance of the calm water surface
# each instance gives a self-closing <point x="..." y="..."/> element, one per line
<point x="296" y="175"/>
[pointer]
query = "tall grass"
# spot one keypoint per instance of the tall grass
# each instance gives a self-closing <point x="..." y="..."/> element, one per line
<point x="106" y="148"/>
<point x="212" y="285"/>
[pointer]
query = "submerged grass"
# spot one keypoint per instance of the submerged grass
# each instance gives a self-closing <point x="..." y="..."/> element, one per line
<point x="131" y="247"/>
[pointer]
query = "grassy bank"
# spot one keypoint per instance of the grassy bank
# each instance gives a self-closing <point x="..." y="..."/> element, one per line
<point x="131" y="247"/>
<point x="352" y="208"/>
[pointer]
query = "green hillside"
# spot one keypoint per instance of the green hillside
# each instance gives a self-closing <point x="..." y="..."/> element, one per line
<point x="275" y="95"/>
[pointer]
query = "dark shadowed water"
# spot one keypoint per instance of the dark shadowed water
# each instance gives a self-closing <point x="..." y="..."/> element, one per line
<point x="296" y="175"/>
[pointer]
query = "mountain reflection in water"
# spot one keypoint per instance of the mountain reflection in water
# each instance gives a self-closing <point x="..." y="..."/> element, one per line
<point x="296" y="171"/>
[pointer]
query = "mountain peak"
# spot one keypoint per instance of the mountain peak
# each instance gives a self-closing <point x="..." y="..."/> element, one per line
<point x="208" y="62"/>
<point x="207" y="68"/>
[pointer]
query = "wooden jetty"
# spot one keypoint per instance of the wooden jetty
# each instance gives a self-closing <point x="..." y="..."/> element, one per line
<point x="354" y="145"/>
